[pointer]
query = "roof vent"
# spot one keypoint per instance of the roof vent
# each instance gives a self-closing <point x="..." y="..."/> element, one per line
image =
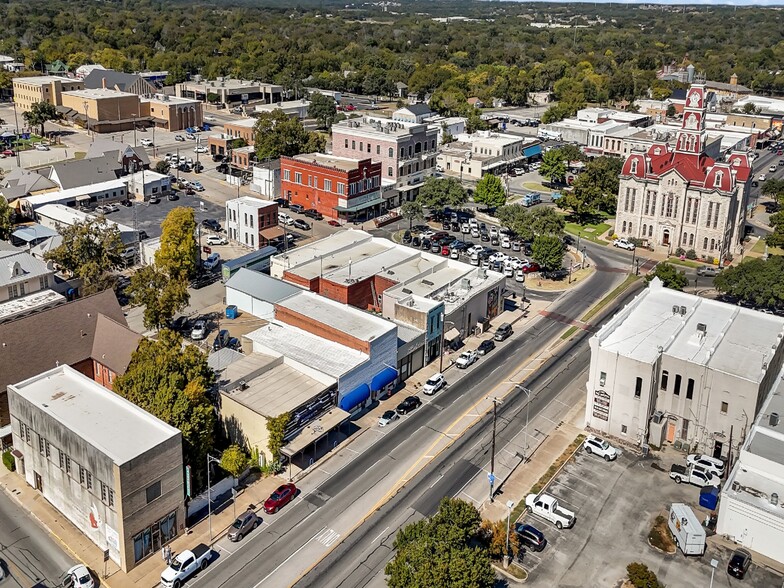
<point x="773" y="419"/>
<point x="243" y="385"/>
<point x="702" y="328"/>
<point x="675" y="309"/>
<point x="683" y="310"/>
<point x="774" y="498"/>
<point x="407" y="291"/>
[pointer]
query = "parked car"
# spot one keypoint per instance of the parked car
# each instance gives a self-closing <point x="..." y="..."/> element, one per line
<point x="199" y="331"/>
<point x="530" y="537"/>
<point x="221" y="340"/>
<point x="740" y="561"/>
<point x="503" y="332"/>
<point x="244" y="524"/>
<point x="387" y="418"/>
<point x="280" y="498"/>
<point x="212" y="262"/>
<point x="624" y="243"/>
<point x="708" y="271"/>
<point x="190" y="136"/>
<point x="179" y="138"/>
<point x="693" y="475"/>
<point x="172" y="196"/>
<point x="217" y="240"/>
<point x="184" y="565"/>
<point x="197" y="186"/>
<point x="333" y="223"/>
<point x="434" y="384"/>
<point x="78" y="576"/>
<point x="485" y="347"/>
<point x="548" y="508"/>
<point x="146" y="143"/>
<point x="154" y="199"/>
<point x="600" y="447"/>
<point x="211" y="224"/>
<point x="707" y="463"/>
<point x="465" y="359"/>
<point x="298" y="208"/>
<point x="180" y="324"/>
<point x="409" y="403"/>
<point x="301" y="224"/>
<point x="204" y="279"/>
<point x="200" y="149"/>
<point x="41" y="147"/>
<point x="107" y="208"/>
<point x="313" y="213"/>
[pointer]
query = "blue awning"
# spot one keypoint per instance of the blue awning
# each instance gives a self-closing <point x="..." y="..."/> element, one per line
<point x="382" y="378"/>
<point x="532" y="150"/>
<point x="354" y="398"/>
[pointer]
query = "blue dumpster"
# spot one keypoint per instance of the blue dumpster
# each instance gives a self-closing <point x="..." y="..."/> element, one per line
<point x="709" y="497"/>
<point x="231" y="311"/>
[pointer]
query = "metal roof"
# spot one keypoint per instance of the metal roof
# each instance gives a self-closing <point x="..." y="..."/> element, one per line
<point x="261" y="286"/>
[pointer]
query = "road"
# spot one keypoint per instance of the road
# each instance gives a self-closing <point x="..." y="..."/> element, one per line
<point x="340" y="493"/>
<point x="30" y="554"/>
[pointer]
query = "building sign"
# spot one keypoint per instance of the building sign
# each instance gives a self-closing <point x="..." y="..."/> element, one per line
<point x="601" y="405"/>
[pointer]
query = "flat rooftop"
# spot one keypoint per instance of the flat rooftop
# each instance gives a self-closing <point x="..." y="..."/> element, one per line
<point x="413" y="267"/>
<point x="347" y="319"/>
<point x="730" y="339"/>
<point x="342" y="163"/>
<point x="366" y="267"/>
<point x="118" y="428"/>
<point x="99" y="93"/>
<point x="44" y="80"/>
<point x="302" y="347"/>
<point x="272" y="386"/>
<point x="70" y="216"/>
<point x="248" y="123"/>
<point x="167" y="99"/>
<point x="375" y="126"/>
<point x="313" y="251"/>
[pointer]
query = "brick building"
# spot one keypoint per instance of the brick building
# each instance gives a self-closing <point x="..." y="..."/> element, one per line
<point x="338" y="187"/>
<point x="253" y="222"/>
<point x="28" y="91"/>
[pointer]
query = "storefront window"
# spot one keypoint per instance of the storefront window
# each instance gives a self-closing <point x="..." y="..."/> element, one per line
<point x="142" y="543"/>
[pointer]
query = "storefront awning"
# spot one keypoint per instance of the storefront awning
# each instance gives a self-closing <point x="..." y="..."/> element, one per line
<point x="362" y="206"/>
<point x="452" y="334"/>
<point x="83" y="198"/>
<point x="383" y="378"/>
<point x="532" y="151"/>
<point x="272" y="232"/>
<point x="354" y="398"/>
<point x="315" y="431"/>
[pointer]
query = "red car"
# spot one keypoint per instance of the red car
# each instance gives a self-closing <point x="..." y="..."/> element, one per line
<point x="445" y="251"/>
<point x="280" y="498"/>
<point x="333" y="223"/>
<point x="530" y="267"/>
<point x="8" y="153"/>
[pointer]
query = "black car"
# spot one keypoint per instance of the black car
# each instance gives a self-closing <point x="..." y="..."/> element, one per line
<point x="204" y="280"/>
<point x="211" y="224"/>
<point x="407" y="237"/>
<point x="282" y="202"/>
<point x="234" y="343"/>
<point x="221" y="340"/>
<point x="409" y="404"/>
<point x="739" y="563"/>
<point x="296" y="208"/>
<point x="172" y="196"/>
<point x="301" y="224"/>
<point x="485" y="347"/>
<point x="217" y="157"/>
<point x="313" y="213"/>
<point x="415" y="242"/>
<point x="181" y="324"/>
<point x="530" y="537"/>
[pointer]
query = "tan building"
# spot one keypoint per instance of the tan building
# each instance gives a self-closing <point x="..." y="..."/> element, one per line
<point x="106" y="110"/>
<point x="28" y="91"/>
<point x="171" y="112"/>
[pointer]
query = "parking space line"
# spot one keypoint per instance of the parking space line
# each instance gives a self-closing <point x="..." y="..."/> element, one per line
<point x="570" y="488"/>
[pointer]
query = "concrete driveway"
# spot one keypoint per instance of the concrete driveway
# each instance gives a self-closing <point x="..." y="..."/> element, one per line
<point x="616" y="504"/>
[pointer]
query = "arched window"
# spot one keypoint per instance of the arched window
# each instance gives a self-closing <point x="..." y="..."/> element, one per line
<point x="623" y="230"/>
<point x="691" y="240"/>
<point x="683" y="241"/>
<point x="634" y="166"/>
<point x="717" y="181"/>
<point x="713" y="244"/>
<point x="705" y="243"/>
<point x="630" y="229"/>
<point x="650" y="231"/>
<point x="353" y="144"/>
<point x="644" y="229"/>
<point x="346" y="144"/>
<point x="389" y="171"/>
<point x="392" y="152"/>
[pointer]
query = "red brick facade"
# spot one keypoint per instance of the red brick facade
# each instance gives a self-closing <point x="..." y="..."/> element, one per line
<point x="325" y="331"/>
<point x="325" y="188"/>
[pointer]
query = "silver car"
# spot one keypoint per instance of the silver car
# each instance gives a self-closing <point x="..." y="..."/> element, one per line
<point x="244" y="524"/>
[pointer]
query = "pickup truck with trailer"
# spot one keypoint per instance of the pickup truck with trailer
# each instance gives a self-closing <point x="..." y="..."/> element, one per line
<point x="184" y="565"/>
<point x="693" y="475"/>
<point x="547" y="507"/>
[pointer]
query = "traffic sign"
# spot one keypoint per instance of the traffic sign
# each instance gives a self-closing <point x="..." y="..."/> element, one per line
<point x="491" y="477"/>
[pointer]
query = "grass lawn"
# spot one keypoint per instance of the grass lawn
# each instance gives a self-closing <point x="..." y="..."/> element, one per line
<point x="759" y="247"/>
<point x="685" y="262"/>
<point x="537" y="187"/>
<point x="590" y="232"/>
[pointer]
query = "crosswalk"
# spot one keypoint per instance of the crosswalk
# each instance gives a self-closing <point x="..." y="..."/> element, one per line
<point x="327" y="537"/>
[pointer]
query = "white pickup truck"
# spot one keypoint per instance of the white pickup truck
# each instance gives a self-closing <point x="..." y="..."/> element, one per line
<point x="547" y="507"/>
<point x="694" y="475"/>
<point x="185" y="565"/>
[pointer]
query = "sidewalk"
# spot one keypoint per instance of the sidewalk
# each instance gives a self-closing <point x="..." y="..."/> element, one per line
<point x="148" y="572"/>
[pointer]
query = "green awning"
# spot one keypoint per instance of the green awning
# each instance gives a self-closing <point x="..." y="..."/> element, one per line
<point x="362" y="206"/>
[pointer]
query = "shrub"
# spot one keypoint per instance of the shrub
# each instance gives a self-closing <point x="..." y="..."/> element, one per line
<point x="9" y="461"/>
<point x="642" y="577"/>
<point x="691" y="254"/>
<point x="680" y="251"/>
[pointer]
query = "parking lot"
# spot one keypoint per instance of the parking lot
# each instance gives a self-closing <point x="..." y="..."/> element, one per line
<point x="616" y="504"/>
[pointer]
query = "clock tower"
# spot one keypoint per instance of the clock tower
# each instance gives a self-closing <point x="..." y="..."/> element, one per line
<point x="691" y="137"/>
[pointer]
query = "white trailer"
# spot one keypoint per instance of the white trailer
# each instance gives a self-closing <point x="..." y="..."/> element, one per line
<point x="689" y="534"/>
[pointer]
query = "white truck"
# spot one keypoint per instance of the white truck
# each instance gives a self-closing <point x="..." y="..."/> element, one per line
<point x="547" y="507"/>
<point x="693" y="475"/>
<point x="686" y="529"/>
<point x="184" y="565"/>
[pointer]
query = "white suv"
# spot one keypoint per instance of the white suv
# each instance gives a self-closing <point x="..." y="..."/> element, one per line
<point x="624" y="244"/>
<point x="706" y="462"/>
<point x="600" y="447"/>
<point x="434" y="384"/>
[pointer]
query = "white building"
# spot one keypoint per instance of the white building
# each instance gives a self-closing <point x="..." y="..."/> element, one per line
<point x="751" y="511"/>
<point x="103" y="193"/>
<point x="145" y="184"/>
<point x="247" y="216"/>
<point x="292" y="108"/>
<point x="483" y="152"/>
<point x="266" y="178"/>
<point x="675" y="368"/>
<point x="25" y="283"/>
<point x="54" y="215"/>
<point x="447" y="125"/>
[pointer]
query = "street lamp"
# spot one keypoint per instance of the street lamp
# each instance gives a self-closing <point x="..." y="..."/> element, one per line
<point x="509" y="506"/>
<point x="209" y="492"/>
<point x="714" y="564"/>
<point x="491" y="475"/>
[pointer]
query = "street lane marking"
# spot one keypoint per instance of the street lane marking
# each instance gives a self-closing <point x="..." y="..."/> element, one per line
<point x="267" y="577"/>
<point x="328" y="537"/>
<point x="379" y="536"/>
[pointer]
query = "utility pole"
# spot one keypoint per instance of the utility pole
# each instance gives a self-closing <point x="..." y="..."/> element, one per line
<point x="209" y="493"/>
<point x="441" y="345"/>
<point x="491" y="475"/>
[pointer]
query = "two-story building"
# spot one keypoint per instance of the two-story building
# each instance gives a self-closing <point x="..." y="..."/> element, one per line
<point x="30" y="90"/>
<point x="253" y="222"/>
<point x="483" y="152"/>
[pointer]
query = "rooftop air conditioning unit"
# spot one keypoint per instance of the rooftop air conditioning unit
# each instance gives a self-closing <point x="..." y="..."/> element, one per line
<point x="702" y="328"/>
<point x="675" y="309"/>
<point x="773" y="419"/>
<point x="657" y="417"/>
<point x="683" y="310"/>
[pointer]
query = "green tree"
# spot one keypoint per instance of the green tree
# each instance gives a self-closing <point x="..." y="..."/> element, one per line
<point x="161" y="295"/>
<point x="571" y="152"/>
<point x="90" y="250"/>
<point x="234" y="460"/>
<point x="6" y="219"/>
<point x="323" y="109"/>
<point x="756" y="281"/>
<point x="440" y="551"/>
<point x="553" y="166"/>
<point x="39" y="114"/>
<point x="517" y="219"/>
<point x="642" y="577"/>
<point x="548" y="252"/>
<point x="773" y="188"/>
<point x="594" y="190"/>
<point x="171" y="382"/>
<point x="670" y="276"/>
<point x="276" y="134"/>
<point x="545" y="220"/>
<point x="439" y="193"/>
<point x="671" y="111"/>
<point x="178" y="254"/>
<point x="276" y="427"/>
<point x="490" y="191"/>
<point x="412" y="210"/>
<point x="776" y="238"/>
<point x="162" y="167"/>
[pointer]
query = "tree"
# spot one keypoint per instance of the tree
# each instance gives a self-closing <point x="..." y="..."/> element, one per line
<point x="412" y="210"/>
<point x="171" y="382"/>
<point x="490" y="191"/>
<point x="642" y="577"/>
<point x="594" y="190"/>
<point x="517" y="219"/>
<point x="162" y="167"/>
<point x="276" y="427"/>
<point x="545" y="220"/>
<point x="90" y="250"/>
<point x="750" y="108"/>
<point x="161" y="295"/>
<point x="671" y="112"/>
<point x="276" y="134"/>
<point x="440" y="551"/>
<point x="670" y="276"/>
<point x="322" y="108"/>
<point x="495" y="538"/>
<point x="178" y="254"/>
<point x="773" y="188"/>
<point x="553" y="165"/>
<point x="6" y="219"/>
<point x="439" y="193"/>
<point x="39" y="114"/>
<point x="234" y="460"/>
<point x="755" y="281"/>
<point x="570" y="152"/>
<point x="548" y="252"/>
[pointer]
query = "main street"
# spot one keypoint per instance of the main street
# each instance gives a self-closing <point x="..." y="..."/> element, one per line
<point x="339" y="494"/>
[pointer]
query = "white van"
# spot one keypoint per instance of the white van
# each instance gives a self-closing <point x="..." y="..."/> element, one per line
<point x="686" y="529"/>
<point x="548" y="135"/>
<point x="285" y="219"/>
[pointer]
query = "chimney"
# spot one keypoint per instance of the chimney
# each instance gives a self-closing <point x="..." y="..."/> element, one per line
<point x="103" y="83"/>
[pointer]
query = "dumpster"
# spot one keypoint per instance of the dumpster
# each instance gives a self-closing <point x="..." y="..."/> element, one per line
<point x="709" y="497"/>
<point x="231" y="311"/>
